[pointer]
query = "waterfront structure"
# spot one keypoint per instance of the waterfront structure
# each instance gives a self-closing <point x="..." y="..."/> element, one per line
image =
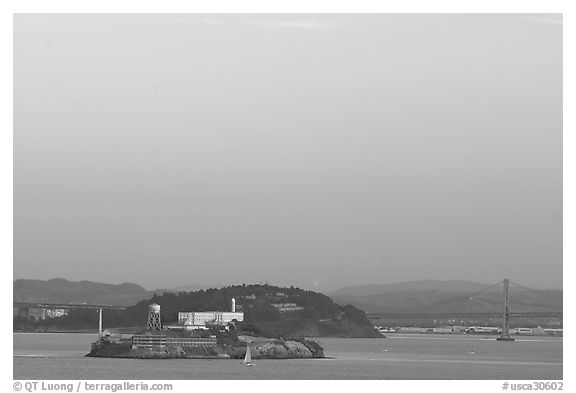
<point x="57" y="313"/>
<point x="115" y="338"/>
<point x="185" y="327"/>
<point x="554" y="332"/>
<point x="154" y="322"/>
<point x="524" y="331"/>
<point x="410" y="329"/>
<point x="162" y="341"/>
<point x="537" y="331"/>
<point x="483" y="330"/>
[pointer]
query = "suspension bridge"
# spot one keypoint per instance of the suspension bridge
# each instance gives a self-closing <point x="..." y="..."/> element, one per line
<point x="506" y="314"/>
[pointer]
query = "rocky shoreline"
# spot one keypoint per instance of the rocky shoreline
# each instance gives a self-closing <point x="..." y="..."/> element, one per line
<point x="293" y="348"/>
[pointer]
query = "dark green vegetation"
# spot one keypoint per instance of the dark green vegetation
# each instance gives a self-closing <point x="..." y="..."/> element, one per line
<point x="319" y="316"/>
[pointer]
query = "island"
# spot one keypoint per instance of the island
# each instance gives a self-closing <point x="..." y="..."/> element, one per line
<point x="198" y="344"/>
<point x="274" y="322"/>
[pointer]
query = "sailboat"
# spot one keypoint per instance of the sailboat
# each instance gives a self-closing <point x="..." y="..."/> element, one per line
<point x="248" y="358"/>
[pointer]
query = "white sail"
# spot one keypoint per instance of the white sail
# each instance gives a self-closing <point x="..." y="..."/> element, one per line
<point x="248" y="357"/>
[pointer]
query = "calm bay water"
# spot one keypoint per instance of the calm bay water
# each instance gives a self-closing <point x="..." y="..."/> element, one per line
<point x="61" y="356"/>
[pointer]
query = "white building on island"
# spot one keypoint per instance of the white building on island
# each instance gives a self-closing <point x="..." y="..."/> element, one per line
<point x="202" y="318"/>
<point x="206" y="317"/>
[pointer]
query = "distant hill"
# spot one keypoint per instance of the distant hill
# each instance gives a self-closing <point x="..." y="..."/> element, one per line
<point x="432" y="296"/>
<point x="59" y="290"/>
<point x="424" y="285"/>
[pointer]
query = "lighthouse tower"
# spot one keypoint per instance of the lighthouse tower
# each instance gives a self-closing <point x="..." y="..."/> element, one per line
<point x="154" y="322"/>
<point x="233" y="305"/>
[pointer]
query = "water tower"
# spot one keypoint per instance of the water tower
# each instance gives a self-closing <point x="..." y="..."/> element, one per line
<point x="233" y="305"/>
<point x="154" y="322"/>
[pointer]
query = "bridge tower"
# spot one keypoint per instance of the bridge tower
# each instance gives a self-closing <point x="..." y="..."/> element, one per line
<point x="506" y="316"/>
<point x="100" y="322"/>
<point x="154" y="322"/>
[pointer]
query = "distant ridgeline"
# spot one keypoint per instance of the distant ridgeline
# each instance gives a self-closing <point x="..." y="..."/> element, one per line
<point x="269" y="311"/>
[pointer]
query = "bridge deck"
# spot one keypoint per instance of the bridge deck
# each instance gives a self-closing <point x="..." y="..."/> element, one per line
<point x="463" y="315"/>
<point x="63" y="306"/>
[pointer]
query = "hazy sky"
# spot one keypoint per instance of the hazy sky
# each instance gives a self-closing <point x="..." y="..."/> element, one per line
<point x="314" y="150"/>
